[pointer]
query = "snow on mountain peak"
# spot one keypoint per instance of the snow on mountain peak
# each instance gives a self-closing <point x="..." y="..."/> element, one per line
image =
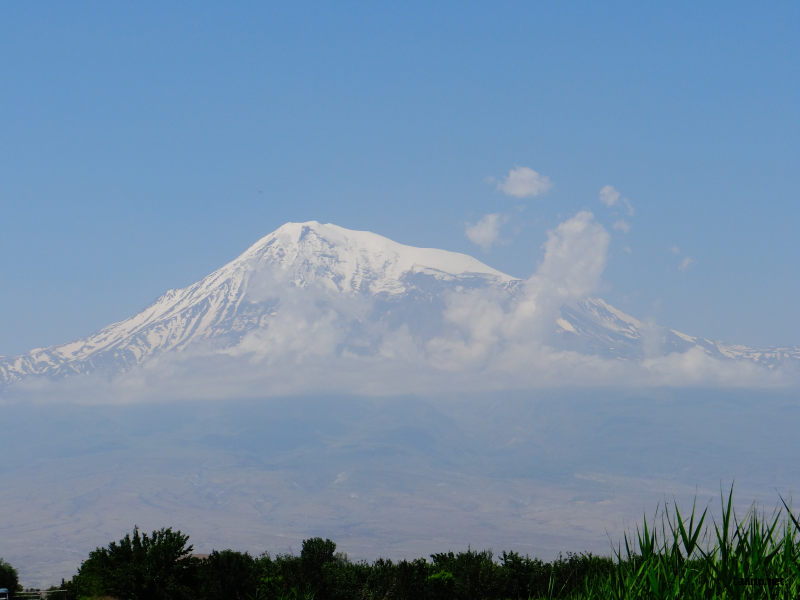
<point x="355" y="260"/>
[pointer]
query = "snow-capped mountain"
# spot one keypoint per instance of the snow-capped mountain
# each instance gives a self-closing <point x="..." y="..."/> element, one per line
<point x="368" y="279"/>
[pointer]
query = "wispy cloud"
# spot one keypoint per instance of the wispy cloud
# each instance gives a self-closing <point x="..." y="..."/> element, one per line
<point x="622" y="225"/>
<point x="524" y="182"/>
<point x="611" y="197"/>
<point x="486" y="231"/>
<point x="686" y="262"/>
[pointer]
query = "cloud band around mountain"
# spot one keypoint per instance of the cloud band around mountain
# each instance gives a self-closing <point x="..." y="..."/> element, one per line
<point x="467" y="338"/>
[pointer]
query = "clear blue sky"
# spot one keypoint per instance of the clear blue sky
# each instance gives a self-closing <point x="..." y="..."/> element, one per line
<point x="145" y="144"/>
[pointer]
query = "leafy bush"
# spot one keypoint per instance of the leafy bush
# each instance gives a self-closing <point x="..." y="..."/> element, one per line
<point x="9" y="578"/>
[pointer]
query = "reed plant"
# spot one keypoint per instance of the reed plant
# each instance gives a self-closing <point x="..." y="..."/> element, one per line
<point x="681" y="557"/>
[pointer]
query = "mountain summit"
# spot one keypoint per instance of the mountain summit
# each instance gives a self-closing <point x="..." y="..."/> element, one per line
<point x="363" y="285"/>
<point x="354" y="261"/>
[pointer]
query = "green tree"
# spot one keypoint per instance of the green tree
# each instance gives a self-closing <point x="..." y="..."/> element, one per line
<point x="8" y="576"/>
<point x="441" y="585"/>
<point x="140" y="567"/>
<point x="227" y="575"/>
<point x="474" y="574"/>
<point x="411" y="579"/>
<point x="316" y="553"/>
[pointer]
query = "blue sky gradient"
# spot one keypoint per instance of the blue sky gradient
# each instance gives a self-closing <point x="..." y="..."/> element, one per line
<point x="146" y="144"/>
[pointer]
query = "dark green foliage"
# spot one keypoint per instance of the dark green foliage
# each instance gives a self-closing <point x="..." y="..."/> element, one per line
<point x="404" y="579"/>
<point x="227" y="575"/>
<point x="281" y="577"/>
<point x="680" y="560"/>
<point x="522" y="576"/>
<point x="441" y="585"/>
<point x="140" y="567"/>
<point x="465" y="575"/>
<point x="8" y="576"/>
<point x="314" y="557"/>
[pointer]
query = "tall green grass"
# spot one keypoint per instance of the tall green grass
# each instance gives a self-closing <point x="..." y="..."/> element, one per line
<point x="687" y="557"/>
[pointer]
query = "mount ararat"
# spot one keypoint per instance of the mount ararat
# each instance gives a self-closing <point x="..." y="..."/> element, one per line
<point x="287" y="293"/>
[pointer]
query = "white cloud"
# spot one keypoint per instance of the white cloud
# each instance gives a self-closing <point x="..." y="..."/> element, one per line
<point x="628" y="207"/>
<point x="622" y="225"/>
<point x="686" y="261"/>
<point x="611" y="197"/>
<point x="524" y="182"/>
<point x="484" y="331"/>
<point x="574" y="257"/>
<point x="486" y="231"/>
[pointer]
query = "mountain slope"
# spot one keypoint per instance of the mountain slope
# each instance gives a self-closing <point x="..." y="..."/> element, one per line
<point x="235" y="298"/>
<point x="367" y="279"/>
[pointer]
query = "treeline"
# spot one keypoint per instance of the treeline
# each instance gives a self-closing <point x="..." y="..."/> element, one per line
<point x="160" y="566"/>
<point x="684" y="557"/>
